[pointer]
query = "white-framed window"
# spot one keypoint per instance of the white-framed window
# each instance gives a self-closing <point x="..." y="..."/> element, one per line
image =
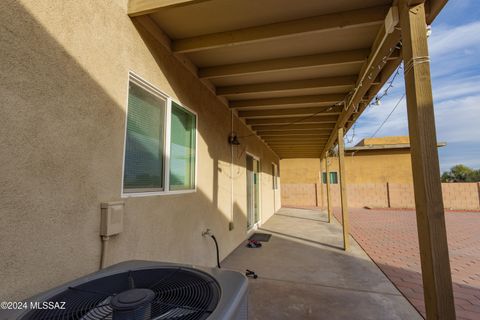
<point x="160" y="143"/>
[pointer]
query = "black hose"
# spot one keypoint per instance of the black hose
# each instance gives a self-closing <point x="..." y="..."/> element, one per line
<point x="216" y="247"/>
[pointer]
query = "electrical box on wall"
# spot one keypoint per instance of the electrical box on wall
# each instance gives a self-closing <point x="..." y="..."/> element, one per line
<point x="111" y="218"/>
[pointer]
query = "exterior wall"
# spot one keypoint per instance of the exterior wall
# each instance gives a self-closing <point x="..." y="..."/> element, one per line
<point x="363" y="167"/>
<point x="401" y="195"/>
<point x="64" y="75"/>
<point x="384" y="140"/>
<point x="456" y="196"/>
<point x="300" y="170"/>
<point x="300" y="194"/>
<point x="461" y="195"/>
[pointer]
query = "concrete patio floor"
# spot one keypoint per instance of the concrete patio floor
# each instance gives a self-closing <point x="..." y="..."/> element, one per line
<point x="304" y="274"/>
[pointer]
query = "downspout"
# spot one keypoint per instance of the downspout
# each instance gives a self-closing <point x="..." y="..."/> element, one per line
<point x="103" y="252"/>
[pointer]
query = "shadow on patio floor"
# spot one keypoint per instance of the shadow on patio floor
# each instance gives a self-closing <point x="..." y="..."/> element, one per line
<point x="304" y="274"/>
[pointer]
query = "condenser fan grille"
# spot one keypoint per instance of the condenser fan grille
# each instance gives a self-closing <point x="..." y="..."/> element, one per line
<point x="180" y="294"/>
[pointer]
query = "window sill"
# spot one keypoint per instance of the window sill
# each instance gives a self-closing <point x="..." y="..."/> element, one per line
<point x="158" y="193"/>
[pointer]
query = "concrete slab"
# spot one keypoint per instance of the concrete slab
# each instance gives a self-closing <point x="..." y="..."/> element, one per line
<point x="304" y="274"/>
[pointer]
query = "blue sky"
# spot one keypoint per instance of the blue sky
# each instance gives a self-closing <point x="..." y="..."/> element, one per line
<point x="455" y="67"/>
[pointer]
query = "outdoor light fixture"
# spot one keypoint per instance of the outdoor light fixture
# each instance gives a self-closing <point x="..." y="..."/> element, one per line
<point x="429" y="30"/>
<point x="233" y="139"/>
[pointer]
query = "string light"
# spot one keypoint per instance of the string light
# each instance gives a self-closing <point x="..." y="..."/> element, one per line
<point x="377" y="102"/>
<point x="388" y="117"/>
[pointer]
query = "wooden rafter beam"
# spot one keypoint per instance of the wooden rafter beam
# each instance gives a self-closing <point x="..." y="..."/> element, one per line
<point x="382" y="49"/>
<point x="297" y="142"/>
<point x="306" y="150"/>
<point x="316" y="148"/>
<point x="269" y="113"/>
<point x="142" y="7"/>
<point x="296" y="100"/>
<point x="309" y="140"/>
<point x="299" y="153"/>
<point x="294" y="137"/>
<point x="313" y="126"/>
<point x="294" y="144"/>
<point x="296" y="120"/>
<point x="433" y="9"/>
<point x="289" y="63"/>
<point x="297" y="148"/>
<point x="327" y="22"/>
<point x="293" y="133"/>
<point x="326" y="83"/>
<point x="305" y="144"/>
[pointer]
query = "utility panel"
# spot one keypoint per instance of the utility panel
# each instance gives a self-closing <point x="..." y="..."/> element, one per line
<point x="111" y="218"/>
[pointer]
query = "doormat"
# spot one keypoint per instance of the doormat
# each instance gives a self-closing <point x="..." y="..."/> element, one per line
<point x="263" y="237"/>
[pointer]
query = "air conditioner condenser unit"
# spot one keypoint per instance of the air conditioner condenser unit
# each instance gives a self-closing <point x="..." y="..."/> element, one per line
<point x="143" y="290"/>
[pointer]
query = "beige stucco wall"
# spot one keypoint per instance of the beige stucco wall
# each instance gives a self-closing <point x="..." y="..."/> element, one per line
<point x="64" y="86"/>
<point x="362" y="167"/>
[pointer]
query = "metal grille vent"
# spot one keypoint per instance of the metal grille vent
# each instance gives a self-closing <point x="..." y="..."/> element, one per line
<point x="178" y="293"/>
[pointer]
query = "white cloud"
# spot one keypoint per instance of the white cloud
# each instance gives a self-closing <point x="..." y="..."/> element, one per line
<point x="458" y="120"/>
<point x="456" y="90"/>
<point x="446" y="40"/>
<point x="450" y="88"/>
<point x="454" y="51"/>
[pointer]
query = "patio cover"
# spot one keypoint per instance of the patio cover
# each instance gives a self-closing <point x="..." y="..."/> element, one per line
<point x="294" y="71"/>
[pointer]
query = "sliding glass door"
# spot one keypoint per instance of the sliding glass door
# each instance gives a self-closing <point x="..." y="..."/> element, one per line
<point x="253" y="191"/>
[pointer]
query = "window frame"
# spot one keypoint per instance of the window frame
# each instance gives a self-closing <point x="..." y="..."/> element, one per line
<point x="324" y="175"/>
<point x="128" y="193"/>
<point x="167" y="174"/>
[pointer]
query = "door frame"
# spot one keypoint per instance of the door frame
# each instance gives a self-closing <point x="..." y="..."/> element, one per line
<point x="255" y="225"/>
<point x="275" y="176"/>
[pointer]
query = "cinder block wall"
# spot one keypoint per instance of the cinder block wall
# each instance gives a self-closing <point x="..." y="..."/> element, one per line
<point x="460" y="196"/>
<point x="300" y="195"/>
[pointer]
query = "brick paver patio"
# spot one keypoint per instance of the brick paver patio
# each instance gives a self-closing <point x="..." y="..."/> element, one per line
<point x="390" y="239"/>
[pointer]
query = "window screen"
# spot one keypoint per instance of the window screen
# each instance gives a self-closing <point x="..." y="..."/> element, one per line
<point x="182" y="149"/>
<point x="333" y="177"/>
<point x="144" y="141"/>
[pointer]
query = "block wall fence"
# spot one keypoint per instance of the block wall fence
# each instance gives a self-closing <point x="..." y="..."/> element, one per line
<point x="456" y="196"/>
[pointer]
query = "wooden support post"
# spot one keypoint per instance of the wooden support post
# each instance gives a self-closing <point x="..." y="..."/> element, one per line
<point x="320" y="183"/>
<point x="389" y="203"/>
<point x="329" y="195"/>
<point x="432" y="236"/>
<point x="343" y="189"/>
<point x="478" y="187"/>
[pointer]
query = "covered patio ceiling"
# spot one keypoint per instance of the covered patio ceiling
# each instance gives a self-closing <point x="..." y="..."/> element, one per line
<point x="294" y="71"/>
